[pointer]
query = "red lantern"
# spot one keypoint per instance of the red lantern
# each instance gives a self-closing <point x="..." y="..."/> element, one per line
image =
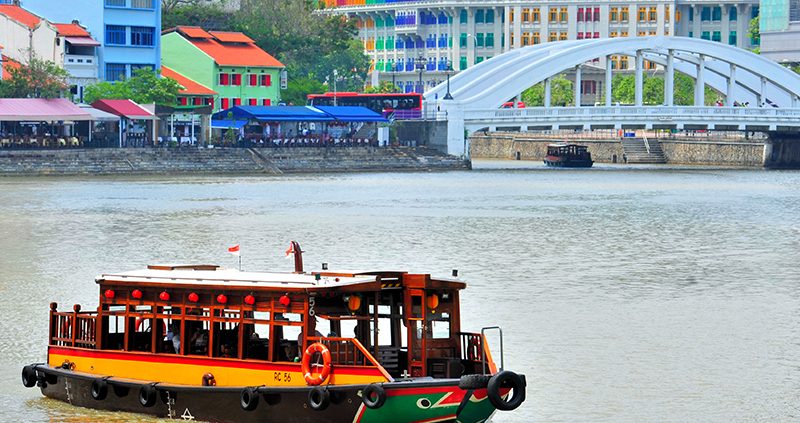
<point x="136" y="294"/>
<point x="222" y="299"/>
<point x="249" y="300"/>
<point x="193" y="297"/>
<point x="285" y="300"/>
<point x="109" y="294"/>
<point x="164" y="296"/>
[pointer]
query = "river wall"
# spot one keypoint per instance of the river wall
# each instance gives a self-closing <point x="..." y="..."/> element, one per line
<point x="223" y="160"/>
<point x="707" y="152"/>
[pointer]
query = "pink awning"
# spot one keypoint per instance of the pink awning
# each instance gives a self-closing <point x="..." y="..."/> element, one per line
<point x="40" y="110"/>
<point x="82" y="41"/>
<point x="124" y="108"/>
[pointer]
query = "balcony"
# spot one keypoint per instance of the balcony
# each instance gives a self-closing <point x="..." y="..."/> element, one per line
<point x="81" y="66"/>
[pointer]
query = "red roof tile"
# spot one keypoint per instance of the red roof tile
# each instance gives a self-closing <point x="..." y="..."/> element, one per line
<point x="8" y="64"/>
<point x="231" y="37"/>
<point x="71" y="30"/>
<point x="193" y="32"/>
<point x="189" y="87"/>
<point x="236" y="54"/>
<point x="126" y="108"/>
<point x="20" y="15"/>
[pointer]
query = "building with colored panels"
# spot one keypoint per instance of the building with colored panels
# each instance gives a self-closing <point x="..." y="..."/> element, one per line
<point x="398" y="33"/>
<point x="190" y="119"/>
<point x="228" y="63"/>
<point x="127" y="31"/>
<point x="79" y="57"/>
<point x="779" y="26"/>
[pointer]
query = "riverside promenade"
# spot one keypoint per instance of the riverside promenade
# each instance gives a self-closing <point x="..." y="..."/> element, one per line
<point x="144" y="161"/>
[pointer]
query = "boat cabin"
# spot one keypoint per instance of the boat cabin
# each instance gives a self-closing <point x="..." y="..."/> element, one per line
<point x="398" y="324"/>
<point x="572" y="151"/>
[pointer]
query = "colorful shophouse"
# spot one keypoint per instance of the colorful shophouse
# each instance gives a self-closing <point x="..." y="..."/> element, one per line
<point x="228" y="63"/>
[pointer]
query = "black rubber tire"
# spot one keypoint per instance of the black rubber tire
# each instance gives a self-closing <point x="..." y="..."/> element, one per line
<point x="376" y="391"/>
<point x="474" y="381"/>
<point x="248" y="399"/>
<point x="99" y="389"/>
<point x="29" y="376"/>
<point x="319" y="398"/>
<point x="506" y="379"/>
<point x="147" y="396"/>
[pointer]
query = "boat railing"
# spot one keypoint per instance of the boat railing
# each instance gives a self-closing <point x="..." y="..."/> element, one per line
<point x="346" y="351"/>
<point x="73" y="328"/>
<point x="475" y="354"/>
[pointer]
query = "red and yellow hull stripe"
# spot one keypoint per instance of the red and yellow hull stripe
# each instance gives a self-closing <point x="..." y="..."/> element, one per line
<point x="189" y="370"/>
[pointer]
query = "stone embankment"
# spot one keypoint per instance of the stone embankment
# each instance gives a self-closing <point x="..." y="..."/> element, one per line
<point x="223" y="160"/>
<point x="704" y="151"/>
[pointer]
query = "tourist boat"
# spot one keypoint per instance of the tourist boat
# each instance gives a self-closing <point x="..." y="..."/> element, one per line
<point x="568" y="155"/>
<point x="205" y="343"/>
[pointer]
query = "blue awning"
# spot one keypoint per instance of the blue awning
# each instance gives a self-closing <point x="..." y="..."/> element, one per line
<point x="353" y="114"/>
<point x="275" y="114"/>
<point x="225" y="124"/>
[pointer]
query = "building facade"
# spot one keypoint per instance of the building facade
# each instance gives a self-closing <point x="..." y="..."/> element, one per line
<point x="127" y="31"/>
<point x="779" y="26"/>
<point x="409" y="39"/>
<point x="79" y="56"/>
<point x="24" y="35"/>
<point x="228" y="63"/>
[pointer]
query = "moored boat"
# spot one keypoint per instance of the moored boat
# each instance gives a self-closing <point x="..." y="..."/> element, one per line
<point x="568" y="155"/>
<point x="204" y="343"/>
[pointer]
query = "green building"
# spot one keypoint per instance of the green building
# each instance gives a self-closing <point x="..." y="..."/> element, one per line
<point x="229" y="63"/>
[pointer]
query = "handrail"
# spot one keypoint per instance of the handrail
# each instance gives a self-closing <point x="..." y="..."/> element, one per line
<point x="367" y="359"/>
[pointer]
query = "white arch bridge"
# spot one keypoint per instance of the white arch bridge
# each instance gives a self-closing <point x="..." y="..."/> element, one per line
<point x="772" y="90"/>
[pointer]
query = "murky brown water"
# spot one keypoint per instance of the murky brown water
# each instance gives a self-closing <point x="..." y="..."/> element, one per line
<point x="625" y="295"/>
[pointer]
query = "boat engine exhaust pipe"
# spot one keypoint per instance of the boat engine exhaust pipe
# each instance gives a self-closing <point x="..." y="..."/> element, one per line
<point x="294" y="248"/>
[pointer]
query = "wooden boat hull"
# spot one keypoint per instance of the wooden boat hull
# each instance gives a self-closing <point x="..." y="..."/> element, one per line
<point x="430" y="400"/>
<point x="560" y="162"/>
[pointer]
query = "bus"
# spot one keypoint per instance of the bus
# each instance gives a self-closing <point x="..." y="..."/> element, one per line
<point x="401" y="105"/>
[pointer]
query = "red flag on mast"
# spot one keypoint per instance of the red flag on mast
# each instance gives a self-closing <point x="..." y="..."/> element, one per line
<point x="234" y="250"/>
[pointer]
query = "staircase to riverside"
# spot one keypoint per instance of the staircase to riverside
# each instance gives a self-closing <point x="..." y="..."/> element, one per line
<point x="643" y="150"/>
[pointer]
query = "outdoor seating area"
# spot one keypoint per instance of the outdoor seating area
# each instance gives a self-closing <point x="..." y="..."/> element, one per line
<point x="29" y="142"/>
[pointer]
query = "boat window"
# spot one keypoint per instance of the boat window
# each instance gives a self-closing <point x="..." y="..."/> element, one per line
<point x="141" y="335"/>
<point x="114" y="324"/>
<point x="196" y="332"/>
<point x="256" y="335"/>
<point x="288" y="331"/>
<point x="440" y="326"/>
<point x="226" y="333"/>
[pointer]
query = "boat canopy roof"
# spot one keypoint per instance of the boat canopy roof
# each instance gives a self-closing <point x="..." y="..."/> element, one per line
<point x="210" y="276"/>
<point x="214" y="276"/>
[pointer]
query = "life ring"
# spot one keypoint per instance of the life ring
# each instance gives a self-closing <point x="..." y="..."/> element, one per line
<point x="319" y="398"/>
<point x="28" y="376"/>
<point x="140" y="322"/>
<point x="506" y="379"/>
<point x="99" y="389"/>
<point x="473" y="349"/>
<point x="147" y="396"/>
<point x="326" y="364"/>
<point x="248" y="399"/>
<point x="373" y="396"/>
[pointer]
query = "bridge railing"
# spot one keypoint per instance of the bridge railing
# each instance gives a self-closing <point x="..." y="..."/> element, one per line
<point x="634" y="111"/>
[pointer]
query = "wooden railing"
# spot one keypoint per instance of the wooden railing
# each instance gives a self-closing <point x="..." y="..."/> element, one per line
<point x="473" y="350"/>
<point x="346" y="351"/>
<point x="73" y="329"/>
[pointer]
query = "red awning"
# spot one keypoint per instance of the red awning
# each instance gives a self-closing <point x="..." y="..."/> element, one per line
<point x="124" y="108"/>
<point x="82" y="41"/>
<point x="41" y="110"/>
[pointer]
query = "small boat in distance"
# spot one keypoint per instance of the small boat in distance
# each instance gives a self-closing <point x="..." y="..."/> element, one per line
<point x="198" y="342"/>
<point x="568" y="155"/>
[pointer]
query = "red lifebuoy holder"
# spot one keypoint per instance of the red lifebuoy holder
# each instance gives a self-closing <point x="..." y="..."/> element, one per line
<point x="311" y="378"/>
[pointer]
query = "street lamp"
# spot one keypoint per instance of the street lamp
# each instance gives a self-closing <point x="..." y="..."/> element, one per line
<point x="449" y="68"/>
<point x="420" y="63"/>
<point x="335" y="75"/>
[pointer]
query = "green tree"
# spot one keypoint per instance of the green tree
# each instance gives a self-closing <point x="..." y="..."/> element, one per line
<point x="36" y="79"/>
<point x="623" y="89"/>
<point x="383" y="87"/>
<point x="210" y="16"/>
<point x="754" y="32"/>
<point x="145" y="86"/>
<point x="561" y="93"/>
<point x="298" y="89"/>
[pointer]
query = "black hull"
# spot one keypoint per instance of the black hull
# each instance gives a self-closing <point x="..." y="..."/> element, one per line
<point x="569" y="163"/>
<point x="210" y="404"/>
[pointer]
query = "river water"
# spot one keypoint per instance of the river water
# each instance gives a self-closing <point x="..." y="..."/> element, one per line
<point x="625" y="294"/>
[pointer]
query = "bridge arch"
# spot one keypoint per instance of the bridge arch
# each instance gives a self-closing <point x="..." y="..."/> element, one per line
<point x="739" y="74"/>
<point x="491" y="83"/>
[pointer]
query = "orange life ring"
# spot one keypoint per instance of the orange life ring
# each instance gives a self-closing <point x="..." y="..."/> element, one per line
<point x="326" y="364"/>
